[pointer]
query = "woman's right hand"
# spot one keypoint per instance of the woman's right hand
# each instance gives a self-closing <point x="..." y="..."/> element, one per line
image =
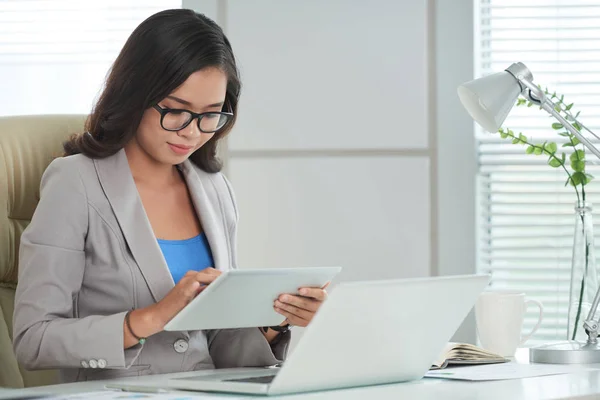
<point x="185" y="290"/>
<point x="147" y="321"/>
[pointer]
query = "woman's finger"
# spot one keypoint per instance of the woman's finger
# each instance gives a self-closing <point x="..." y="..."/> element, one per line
<point x="191" y="289"/>
<point x="207" y="275"/>
<point x="315" y="293"/>
<point x="291" y="318"/>
<point x="293" y="310"/>
<point x="300" y="302"/>
<point x="190" y="273"/>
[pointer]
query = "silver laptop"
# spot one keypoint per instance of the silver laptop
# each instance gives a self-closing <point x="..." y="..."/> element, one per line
<point x="366" y="333"/>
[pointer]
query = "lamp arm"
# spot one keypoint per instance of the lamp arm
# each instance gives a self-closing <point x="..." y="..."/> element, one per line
<point x="537" y="96"/>
<point x="549" y="107"/>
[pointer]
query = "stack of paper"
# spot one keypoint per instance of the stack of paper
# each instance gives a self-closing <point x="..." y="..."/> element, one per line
<point x="504" y="371"/>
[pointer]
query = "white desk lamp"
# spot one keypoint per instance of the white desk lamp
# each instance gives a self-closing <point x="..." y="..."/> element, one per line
<point x="489" y="100"/>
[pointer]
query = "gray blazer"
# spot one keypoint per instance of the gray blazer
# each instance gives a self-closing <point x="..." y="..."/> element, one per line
<point x="90" y="254"/>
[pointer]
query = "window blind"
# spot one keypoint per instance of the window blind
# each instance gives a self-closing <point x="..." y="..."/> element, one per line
<point x="525" y="214"/>
<point x="54" y="54"/>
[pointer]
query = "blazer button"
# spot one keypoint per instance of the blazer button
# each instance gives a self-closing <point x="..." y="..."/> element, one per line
<point x="93" y="363"/>
<point x="84" y="364"/>
<point x="180" y="346"/>
<point x="101" y="363"/>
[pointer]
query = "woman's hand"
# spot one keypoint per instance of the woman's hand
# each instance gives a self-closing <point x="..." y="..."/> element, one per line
<point x="185" y="290"/>
<point x="150" y="320"/>
<point x="300" y="309"/>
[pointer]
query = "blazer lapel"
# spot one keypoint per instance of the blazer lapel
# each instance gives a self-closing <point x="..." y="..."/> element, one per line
<point x="205" y="199"/>
<point x="118" y="185"/>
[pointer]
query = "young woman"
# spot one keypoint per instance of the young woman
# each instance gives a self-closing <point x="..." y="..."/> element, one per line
<point x="136" y="219"/>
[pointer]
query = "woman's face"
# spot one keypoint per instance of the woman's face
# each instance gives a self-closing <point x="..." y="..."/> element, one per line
<point x="203" y="91"/>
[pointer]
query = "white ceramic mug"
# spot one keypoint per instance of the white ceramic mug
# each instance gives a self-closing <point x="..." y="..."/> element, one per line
<point x="499" y="315"/>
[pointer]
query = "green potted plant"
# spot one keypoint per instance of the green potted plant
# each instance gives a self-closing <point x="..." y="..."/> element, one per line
<point x="571" y="158"/>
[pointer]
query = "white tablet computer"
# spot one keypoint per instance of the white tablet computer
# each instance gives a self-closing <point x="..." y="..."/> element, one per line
<point x="245" y="298"/>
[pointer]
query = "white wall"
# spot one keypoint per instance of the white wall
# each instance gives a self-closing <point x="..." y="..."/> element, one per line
<point x="323" y="172"/>
<point x="454" y="146"/>
<point x="346" y="147"/>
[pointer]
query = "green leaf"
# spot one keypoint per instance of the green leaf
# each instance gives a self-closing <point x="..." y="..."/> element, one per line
<point x="568" y="144"/>
<point x="529" y="104"/>
<point x="554" y="95"/>
<point x="564" y="134"/>
<point x="568" y="181"/>
<point x="551" y="147"/>
<point x="575" y="141"/>
<point x="557" y="126"/>
<point x="577" y="115"/>
<point x="537" y="151"/>
<point x="577" y="126"/>
<point x="577" y="178"/>
<point x="516" y="140"/>
<point x="578" y="166"/>
<point x="577" y="155"/>
<point x="569" y="107"/>
<point x="562" y="97"/>
<point x="553" y="162"/>
<point x="589" y="178"/>
<point x="522" y="138"/>
<point x="503" y="135"/>
<point x="563" y="156"/>
<point x="529" y="150"/>
<point x="556" y="108"/>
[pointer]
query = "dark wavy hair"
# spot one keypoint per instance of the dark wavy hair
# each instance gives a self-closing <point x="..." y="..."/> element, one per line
<point x="161" y="53"/>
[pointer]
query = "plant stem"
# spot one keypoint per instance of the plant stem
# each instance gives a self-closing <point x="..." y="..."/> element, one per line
<point x="581" y="289"/>
<point x="579" y="159"/>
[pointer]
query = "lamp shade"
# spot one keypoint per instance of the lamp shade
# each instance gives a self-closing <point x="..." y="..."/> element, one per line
<point x="489" y="99"/>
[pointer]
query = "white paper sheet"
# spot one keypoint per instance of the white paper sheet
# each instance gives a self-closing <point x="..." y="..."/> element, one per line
<point x="120" y="395"/>
<point x="511" y="370"/>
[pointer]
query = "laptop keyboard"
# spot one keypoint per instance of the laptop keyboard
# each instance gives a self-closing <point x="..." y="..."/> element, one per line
<point x="256" y="379"/>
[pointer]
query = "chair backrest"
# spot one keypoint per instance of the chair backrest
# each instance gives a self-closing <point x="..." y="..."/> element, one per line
<point x="27" y="145"/>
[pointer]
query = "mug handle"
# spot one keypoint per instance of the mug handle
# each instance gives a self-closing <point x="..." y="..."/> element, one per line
<point x="540" y="317"/>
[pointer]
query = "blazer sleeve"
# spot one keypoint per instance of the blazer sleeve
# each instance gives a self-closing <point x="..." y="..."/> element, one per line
<point x="51" y="268"/>
<point x="230" y="348"/>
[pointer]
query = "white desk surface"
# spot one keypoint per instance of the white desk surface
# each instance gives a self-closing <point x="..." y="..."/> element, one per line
<point x="578" y="385"/>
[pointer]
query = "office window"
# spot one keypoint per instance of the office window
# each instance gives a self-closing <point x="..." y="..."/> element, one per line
<point x="525" y="214"/>
<point x="54" y="54"/>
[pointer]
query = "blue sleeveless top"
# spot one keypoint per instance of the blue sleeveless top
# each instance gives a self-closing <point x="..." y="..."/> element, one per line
<point x="185" y="255"/>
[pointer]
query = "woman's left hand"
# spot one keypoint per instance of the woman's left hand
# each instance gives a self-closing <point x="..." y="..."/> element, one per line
<point x="300" y="309"/>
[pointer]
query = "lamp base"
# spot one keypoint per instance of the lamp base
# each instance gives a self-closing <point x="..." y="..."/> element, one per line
<point x="565" y="352"/>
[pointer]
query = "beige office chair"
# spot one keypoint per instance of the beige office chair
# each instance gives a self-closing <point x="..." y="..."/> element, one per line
<point x="27" y="145"/>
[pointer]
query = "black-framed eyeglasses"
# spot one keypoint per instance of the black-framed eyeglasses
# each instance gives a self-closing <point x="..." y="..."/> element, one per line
<point x="176" y="119"/>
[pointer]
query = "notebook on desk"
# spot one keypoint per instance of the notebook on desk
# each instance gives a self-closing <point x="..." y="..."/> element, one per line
<point x="366" y="333"/>
<point x="466" y="354"/>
